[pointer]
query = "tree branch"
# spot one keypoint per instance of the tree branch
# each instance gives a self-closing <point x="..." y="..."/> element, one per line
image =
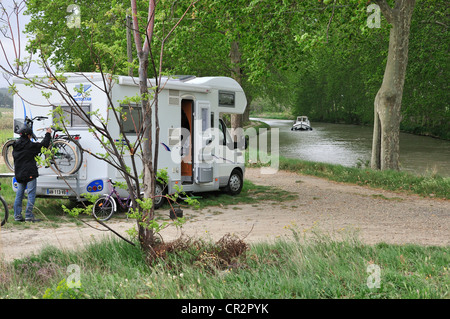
<point x="137" y="39"/>
<point x="331" y="18"/>
<point x="386" y="10"/>
<point x="150" y="25"/>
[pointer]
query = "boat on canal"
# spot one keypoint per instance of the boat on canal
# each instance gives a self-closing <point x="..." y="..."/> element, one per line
<point x="301" y="124"/>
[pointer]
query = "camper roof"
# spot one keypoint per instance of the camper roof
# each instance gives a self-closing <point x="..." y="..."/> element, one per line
<point x="217" y="82"/>
<point x="71" y="77"/>
<point x="190" y="83"/>
<point x="187" y="82"/>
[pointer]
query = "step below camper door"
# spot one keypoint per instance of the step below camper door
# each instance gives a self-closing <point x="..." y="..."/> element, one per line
<point x="203" y="160"/>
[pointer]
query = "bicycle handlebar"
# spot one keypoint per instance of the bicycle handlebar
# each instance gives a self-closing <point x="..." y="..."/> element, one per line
<point x="40" y="118"/>
<point x="44" y="128"/>
<point x="36" y="118"/>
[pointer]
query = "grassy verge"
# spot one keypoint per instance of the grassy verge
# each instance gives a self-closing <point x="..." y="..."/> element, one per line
<point x="429" y="185"/>
<point x="256" y="125"/>
<point x="315" y="268"/>
<point x="250" y="194"/>
<point x="274" y="115"/>
<point x="47" y="209"/>
<point x="6" y="124"/>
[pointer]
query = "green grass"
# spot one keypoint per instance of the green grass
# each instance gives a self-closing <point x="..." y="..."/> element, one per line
<point x="318" y="267"/>
<point x="274" y="115"/>
<point x="47" y="209"/>
<point x="6" y="124"/>
<point x="428" y="185"/>
<point x="250" y="194"/>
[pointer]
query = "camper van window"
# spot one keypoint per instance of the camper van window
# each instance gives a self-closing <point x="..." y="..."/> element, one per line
<point x="131" y="118"/>
<point x="205" y="124"/>
<point x="80" y="120"/>
<point x="72" y="117"/>
<point x="226" y="99"/>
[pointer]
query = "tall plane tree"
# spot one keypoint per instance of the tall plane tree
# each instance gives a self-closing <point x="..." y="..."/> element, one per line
<point x="388" y="101"/>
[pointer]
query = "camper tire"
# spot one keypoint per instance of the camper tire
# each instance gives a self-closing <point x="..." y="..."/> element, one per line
<point x="235" y="182"/>
<point x="159" y="199"/>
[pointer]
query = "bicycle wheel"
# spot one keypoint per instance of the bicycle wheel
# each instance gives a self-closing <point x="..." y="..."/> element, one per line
<point x="79" y="150"/>
<point x="7" y="154"/>
<point x="79" y="153"/>
<point x="65" y="158"/>
<point x="104" y="208"/>
<point x="3" y="211"/>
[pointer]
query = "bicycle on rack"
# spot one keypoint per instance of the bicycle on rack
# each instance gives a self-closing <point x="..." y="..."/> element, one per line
<point x="105" y="206"/>
<point x="3" y="211"/>
<point x="66" y="156"/>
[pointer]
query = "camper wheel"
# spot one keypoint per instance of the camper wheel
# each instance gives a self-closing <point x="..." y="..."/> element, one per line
<point x="235" y="182"/>
<point x="159" y="191"/>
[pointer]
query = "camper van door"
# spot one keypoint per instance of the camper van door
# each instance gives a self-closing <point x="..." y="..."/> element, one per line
<point x="203" y="160"/>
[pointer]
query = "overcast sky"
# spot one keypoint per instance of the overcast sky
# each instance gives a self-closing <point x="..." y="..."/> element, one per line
<point x="7" y="43"/>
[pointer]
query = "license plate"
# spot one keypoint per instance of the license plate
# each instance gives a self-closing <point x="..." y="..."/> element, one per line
<point x="57" y="192"/>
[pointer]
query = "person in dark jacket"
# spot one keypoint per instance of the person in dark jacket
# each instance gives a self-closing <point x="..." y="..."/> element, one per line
<point x="26" y="171"/>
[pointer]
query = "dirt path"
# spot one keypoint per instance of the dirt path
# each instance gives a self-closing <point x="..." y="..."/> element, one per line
<point x="329" y="207"/>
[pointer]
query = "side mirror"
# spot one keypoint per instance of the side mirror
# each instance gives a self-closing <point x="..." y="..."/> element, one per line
<point x="240" y="146"/>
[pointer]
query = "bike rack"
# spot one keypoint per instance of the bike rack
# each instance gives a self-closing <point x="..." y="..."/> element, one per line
<point x="71" y="177"/>
<point x="5" y="175"/>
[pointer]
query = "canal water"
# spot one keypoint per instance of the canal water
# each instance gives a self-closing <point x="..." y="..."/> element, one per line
<point x="350" y="145"/>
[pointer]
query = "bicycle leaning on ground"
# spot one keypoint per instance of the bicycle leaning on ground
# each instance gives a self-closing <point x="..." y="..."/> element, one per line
<point x="66" y="156"/>
<point x="3" y="211"/>
<point x="105" y="206"/>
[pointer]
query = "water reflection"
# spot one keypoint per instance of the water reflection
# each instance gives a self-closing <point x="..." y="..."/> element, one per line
<point x="349" y="145"/>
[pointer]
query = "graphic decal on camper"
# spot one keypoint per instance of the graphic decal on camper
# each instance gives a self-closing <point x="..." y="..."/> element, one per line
<point x="15" y="185"/>
<point x="81" y="96"/>
<point x="25" y="111"/>
<point x="224" y="159"/>
<point x="166" y="147"/>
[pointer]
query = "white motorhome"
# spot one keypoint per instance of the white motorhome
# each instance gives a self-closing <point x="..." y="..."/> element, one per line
<point x="192" y="103"/>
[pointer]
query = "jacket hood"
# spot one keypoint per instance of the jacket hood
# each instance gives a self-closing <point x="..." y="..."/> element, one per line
<point x="21" y="143"/>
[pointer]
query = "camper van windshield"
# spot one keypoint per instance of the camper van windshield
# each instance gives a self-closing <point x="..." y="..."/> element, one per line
<point x="224" y="135"/>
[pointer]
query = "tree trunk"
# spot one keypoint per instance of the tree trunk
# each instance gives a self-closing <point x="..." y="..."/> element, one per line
<point x="129" y="44"/>
<point x="235" y="55"/>
<point x="146" y="236"/>
<point x="388" y="101"/>
<point x="246" y="116"/>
